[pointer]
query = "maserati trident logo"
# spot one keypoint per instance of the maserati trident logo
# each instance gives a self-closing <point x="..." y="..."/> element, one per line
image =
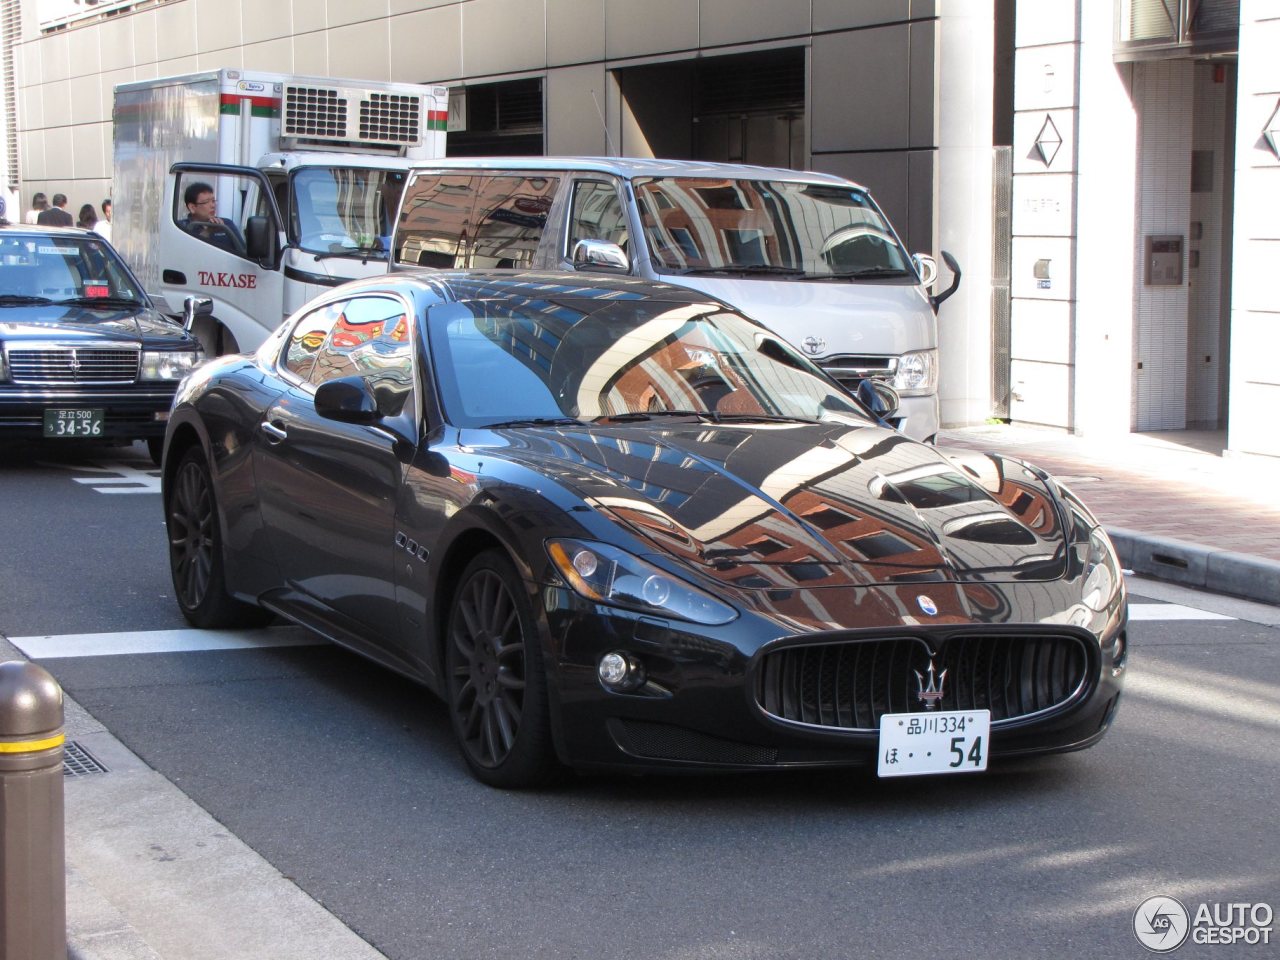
<point x="930" y="694"/>
<point x="927" y="605"/>
<point x="813" y="345"/>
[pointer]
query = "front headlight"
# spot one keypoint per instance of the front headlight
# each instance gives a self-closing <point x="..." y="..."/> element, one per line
<point x="169" y="364"/>
<point x="917" y="373"/>
<point x="1102" y="578"/>
<point x="609" y="575"/>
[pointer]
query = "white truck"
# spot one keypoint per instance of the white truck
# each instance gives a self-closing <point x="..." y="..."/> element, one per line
<point x="258" y="190"/>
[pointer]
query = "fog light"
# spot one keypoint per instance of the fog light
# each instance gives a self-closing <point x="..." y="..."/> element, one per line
<point x="619" y="672"/>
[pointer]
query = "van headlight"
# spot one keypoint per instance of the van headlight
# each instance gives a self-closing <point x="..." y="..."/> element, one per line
<point x="606" y="574"/>
<point x="917" y="373"/>
<point x="169" y="364"/>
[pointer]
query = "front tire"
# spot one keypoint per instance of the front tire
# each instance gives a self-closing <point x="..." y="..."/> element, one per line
<point x="196" y="558"/>
<point x="497" y="682"/>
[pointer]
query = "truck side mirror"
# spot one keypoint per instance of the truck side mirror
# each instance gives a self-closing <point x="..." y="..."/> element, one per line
<point x="262" y="242"/>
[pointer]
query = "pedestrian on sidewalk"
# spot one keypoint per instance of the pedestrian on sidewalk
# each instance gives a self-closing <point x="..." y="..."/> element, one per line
<point x="39" y="204"/>
<point x="88" y="217"/>
<point x="56" y="216"/>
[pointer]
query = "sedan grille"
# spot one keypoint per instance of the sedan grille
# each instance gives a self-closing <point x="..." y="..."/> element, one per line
<point x="79" y="365"/>
<point x="849" y="685"/>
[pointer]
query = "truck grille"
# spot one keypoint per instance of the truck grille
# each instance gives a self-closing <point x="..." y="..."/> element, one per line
<point x="329" y="114"/>
<point x="849" y="685"/>
<point x="78" y="365"/>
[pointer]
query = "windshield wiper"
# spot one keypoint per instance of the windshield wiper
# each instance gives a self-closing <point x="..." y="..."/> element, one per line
<point x="638" y="416"/>
<point x="734" y="269"/>
<point x="365" y="253"/>
<point x="104" y="302"/>
<point x="538" y="422"/>
<point x="17" y="300"/>
<point x="859" y="274"/>
<point x="760" y="417"/>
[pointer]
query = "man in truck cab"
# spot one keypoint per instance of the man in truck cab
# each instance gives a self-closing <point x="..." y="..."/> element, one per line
<point x="202" y="223"/>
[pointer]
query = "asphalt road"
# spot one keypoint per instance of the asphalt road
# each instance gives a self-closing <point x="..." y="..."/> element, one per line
<point x="345" y="777"/>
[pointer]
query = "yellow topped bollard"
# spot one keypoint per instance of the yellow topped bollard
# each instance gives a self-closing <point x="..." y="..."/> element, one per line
<point x="33" y="882"/>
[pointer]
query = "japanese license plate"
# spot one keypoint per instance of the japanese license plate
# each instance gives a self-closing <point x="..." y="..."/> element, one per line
<point x="62" y="422"/>
<point x="947" y="741"/>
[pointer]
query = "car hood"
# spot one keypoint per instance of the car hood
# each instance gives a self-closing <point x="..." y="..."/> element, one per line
<point x="808" y="505"/>
<point x="66" y="322"/>
<point x="836" y="317"/>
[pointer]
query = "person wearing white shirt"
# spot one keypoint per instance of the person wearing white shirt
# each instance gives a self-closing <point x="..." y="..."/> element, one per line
<point x="103" y="226"/>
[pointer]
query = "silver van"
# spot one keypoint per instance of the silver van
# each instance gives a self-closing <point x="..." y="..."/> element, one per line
<point x="808" y="254"/>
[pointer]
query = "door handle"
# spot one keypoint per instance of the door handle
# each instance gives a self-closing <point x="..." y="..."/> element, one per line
<point x="272" y="431"/>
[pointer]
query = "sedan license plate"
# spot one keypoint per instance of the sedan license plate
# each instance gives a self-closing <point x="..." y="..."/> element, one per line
<point x="947" y="741"/>
<point x="62" y="422"/>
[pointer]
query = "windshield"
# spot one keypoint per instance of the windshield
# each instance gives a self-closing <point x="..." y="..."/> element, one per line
<point x="767" y="228"/>
<point x="571" y="359"/>
<point x="344" y="211"/>
<point x="35" y="268"/>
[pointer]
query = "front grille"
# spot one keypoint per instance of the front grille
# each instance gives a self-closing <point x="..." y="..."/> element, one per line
<point x="80" y="365"/>
<point x="850" y="685"/>
<point x="661" y="741"/>
<point x="849" y="370"/>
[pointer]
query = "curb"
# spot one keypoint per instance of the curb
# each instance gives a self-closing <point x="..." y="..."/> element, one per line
<point x="1193" y="565"/>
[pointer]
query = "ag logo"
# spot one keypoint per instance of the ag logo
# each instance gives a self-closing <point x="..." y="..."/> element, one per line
<point x="1161" y="924"/>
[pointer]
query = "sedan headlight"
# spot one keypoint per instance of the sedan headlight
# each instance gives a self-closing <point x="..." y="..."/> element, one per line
<point x="606" y="574"/>
<point x="1102" y="578"/>
<point x="917" y="373"/>
<point x="169" y="364"/>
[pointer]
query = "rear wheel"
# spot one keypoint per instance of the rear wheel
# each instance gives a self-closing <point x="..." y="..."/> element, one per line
<point x="196" y="559"/>
<point x="497" y="683"/>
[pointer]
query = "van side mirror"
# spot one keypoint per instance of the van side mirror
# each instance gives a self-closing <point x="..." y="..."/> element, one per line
<point x="954" y="267"/>
<point x="927" y="267"/>
<point x="600" y="255"/>
<point x="261" y="241"/>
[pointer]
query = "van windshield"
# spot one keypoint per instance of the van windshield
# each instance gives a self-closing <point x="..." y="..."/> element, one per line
<point x="768" y="228"/>
<point x="344" y="211"/>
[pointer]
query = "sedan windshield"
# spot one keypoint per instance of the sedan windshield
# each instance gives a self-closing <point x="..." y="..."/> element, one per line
<point x="553" y="361"/>
<point x="40" y="268"/>
<point x="768" y="229"/>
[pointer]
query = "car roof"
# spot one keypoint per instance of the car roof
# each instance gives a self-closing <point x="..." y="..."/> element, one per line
<point x="460" y="285"/>
<point x="10" y="228"/>
<point x="635" y="167"/>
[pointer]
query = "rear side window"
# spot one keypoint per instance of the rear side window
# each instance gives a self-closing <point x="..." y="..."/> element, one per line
<point x="476" y="221"/>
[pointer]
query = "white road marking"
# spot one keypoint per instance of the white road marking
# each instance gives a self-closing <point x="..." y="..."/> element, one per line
<point x="1171" y="611"/>
<point x="160" y="641"/>
<point x="115" y="476"/>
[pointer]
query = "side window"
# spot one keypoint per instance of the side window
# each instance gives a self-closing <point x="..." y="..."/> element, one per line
<point x="510" y="215"/>
<point x="307" y="338"/>
<point x="596" y="214"/>
<point x="370" y="338"/>
<point x="435" y="221"/>
<point x="214" y="208"/>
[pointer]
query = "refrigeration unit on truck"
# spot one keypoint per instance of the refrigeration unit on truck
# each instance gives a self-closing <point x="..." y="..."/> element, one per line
<point x="259" y="190"/>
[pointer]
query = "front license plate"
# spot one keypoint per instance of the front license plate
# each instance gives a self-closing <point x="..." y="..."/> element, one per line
<point x="948" y="741"/>
<point x="61" y="422"/>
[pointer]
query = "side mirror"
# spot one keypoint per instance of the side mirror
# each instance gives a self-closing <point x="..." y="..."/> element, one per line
<point x="347" y="400"/>
<point x="599" y="255"/>
<point x="954" y="267"/>
<point x="927" y="267"/>
<point x="878" y="397"/>
<point x="193" y="307"/>
<point x="261" y="241"/>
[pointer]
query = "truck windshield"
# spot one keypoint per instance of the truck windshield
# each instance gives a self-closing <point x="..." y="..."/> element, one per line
<point x="769" y="229"/>
<point x="344" y="211"/>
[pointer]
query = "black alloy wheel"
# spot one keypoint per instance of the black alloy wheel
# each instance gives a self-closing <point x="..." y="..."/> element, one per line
<point x="497" y="685"/>
<point x="195" y="551"/>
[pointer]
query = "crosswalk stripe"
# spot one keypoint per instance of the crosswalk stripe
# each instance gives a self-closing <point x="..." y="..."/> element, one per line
<point x="160" y="641"/>
<point x="1171" y="611"/>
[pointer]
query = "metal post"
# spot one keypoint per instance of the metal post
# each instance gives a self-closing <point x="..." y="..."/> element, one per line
<point x="33" y="882"/>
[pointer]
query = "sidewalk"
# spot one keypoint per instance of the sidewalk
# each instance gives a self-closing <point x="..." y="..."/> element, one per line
<point x="1175" y="507"/>
<point x="152" y="876"/>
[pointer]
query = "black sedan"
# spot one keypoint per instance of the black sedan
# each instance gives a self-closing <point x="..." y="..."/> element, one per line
<point x="84" y="354"/>
<point x="615" y="524"/>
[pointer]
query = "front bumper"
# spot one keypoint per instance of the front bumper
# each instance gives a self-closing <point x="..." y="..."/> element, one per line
<point x="701" y="707"/>
<point x="128" y="412"/>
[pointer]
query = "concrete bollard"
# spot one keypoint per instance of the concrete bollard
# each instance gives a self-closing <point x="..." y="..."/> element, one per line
<point x="33" y="881"/>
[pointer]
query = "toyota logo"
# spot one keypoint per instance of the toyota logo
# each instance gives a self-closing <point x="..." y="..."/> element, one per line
<point x="813" y="345"/>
